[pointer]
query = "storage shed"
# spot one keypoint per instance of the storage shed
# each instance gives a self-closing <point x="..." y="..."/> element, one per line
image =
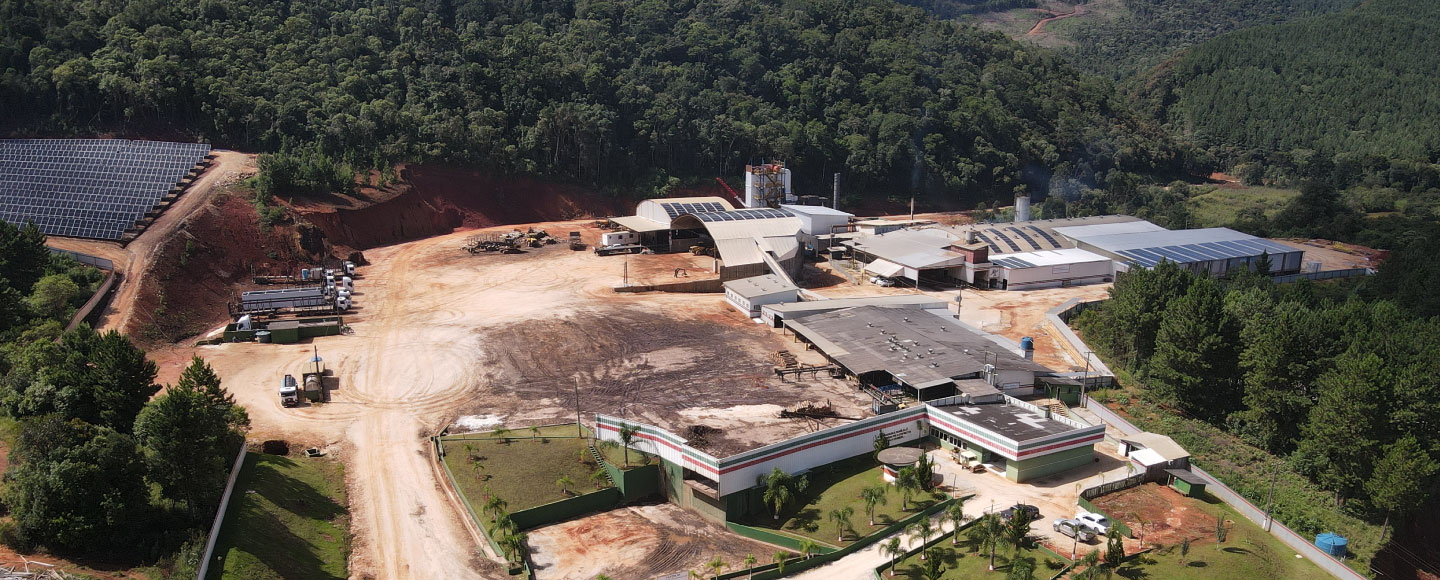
<point x="1186" y="482"/>
<point x="748" y="294"/>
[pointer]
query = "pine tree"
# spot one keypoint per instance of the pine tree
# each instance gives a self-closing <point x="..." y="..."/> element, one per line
<point x="1340" y="438"/>
<point x="1194" y="358"/>
<point x="1401" y="479"/>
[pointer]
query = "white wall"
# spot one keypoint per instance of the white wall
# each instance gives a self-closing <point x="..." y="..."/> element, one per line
<point x="1053" y="275"/>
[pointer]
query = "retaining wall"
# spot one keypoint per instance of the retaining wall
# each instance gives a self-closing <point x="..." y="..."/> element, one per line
<point x="209" y="554"/>
<point x="565" y="509"/>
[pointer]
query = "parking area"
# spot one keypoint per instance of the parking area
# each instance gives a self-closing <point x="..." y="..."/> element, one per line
<point x="1056" y="496"/>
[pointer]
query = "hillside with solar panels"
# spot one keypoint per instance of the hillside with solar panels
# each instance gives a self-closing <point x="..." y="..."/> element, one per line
<point x="106" y="189"/>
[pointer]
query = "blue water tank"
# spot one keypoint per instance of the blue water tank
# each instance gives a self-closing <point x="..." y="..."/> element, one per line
<point x="1027" y="343"/>
<point x="1333" y="544"/>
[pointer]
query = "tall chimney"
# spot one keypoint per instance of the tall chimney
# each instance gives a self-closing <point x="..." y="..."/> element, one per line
<point x="835" y="203"/>
<point x="1022" y="208"/>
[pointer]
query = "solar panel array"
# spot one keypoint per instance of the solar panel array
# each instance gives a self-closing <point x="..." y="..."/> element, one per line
<point x="1012" y="263"/>
<point x="994" y="247"/>
<point x="1044" y="234"/>
<point x="1014" y="247"/>
<point x="675" y="209"/>
<point x="742" y="215"/>
<point x="89" y="188"/>
<point x="1208" y="251"/>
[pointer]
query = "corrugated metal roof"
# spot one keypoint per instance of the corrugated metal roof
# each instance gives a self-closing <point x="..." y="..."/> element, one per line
<point x="761" y="228"/>
<point x="813" y="210"/>
<point x="1163" y="446"/>
<point x="920" y="348"/>
<point x="738" y="251"/>
<point x="783" y="247"/>
<point x="883" y="267"/>
<point x="756" y="286"/>
<point x="1046" y="258"/>
<point x="919" y="249"/>
<point x="906" y="301"/>
<point x="639" y="224"/>
<point x="1106" y="229"/>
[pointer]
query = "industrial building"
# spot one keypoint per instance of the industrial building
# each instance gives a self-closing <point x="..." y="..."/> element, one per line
<point x="927" y="256"/>
<point x="776" y="314"/>
<point x="924" y="354"/>
<point x="748" y="294"/>
<point x="1212" y="251"/>
<point x="1049" y="268"/>
<point x="816" y="221"/>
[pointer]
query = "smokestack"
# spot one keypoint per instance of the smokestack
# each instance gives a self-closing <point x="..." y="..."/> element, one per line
<point x="835" y="203"/>
<point x="1022" y="208"/>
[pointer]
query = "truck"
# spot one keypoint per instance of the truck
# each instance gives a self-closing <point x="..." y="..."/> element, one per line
<point x="575" y="243"/>
<point x="620" y="249"/>
<point x="289" y="392"/>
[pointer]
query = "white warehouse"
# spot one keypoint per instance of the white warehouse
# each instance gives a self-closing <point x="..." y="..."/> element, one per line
<point x="1049" y="269"/>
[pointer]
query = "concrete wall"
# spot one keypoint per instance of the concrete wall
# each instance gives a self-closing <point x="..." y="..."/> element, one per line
<point x="1036" y="467"/>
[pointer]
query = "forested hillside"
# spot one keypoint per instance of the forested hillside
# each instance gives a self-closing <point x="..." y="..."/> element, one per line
<point x="1149" y="31"/>
<point x="600" y="92"/>
<point x="1360" y="82"/>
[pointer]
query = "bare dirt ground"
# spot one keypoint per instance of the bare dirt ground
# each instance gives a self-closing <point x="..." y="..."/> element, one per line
<point x="1337" y="255"/>
<point x="438" y="332"/>
<point x="644" y="541"/>
<point x="1169" y="516"/>
<point x="1039" y="28"/>
<point x="134" y="258"/>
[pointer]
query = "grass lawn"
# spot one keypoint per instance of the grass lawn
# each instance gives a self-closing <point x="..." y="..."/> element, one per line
<point x="524" y="471"/>
<point x="615" y="454"/>
<point x="1221" y="206"/>
<point x="287" y="519"/>
<point x="965" y="560"/>
<point x="833" y="487"/>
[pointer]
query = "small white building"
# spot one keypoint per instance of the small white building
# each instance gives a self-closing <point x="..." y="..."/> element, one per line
<point x="1049" y="268"/>
<point x="815" y="221"/>
<point x="748" y="294"/>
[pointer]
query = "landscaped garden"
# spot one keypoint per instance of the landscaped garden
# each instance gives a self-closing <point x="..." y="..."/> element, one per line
<point x="523" y="467"/>
<point x="988" y="546"/>
<point x="835" y="503"/>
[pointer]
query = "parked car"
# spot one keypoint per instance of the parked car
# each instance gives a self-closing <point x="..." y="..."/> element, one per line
<point x="882" y="281"/>
<point x="1030" y="510"/>
<point x="1075" y="529"/>
<point x="1096" y="522"/>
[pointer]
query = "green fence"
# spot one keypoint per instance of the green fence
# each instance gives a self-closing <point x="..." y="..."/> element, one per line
<point x="1115" y="524"/>
<point x="634" y="483"/>
<point x="479" y="523"/>
<point x="567" y="508"/>
<point x="769" y="572"/>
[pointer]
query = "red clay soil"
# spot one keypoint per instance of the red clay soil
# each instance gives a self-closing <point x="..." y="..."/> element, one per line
<point x="431" y="201"/>
<point x="198" y="270"/>
<point x="1170" y="515"/>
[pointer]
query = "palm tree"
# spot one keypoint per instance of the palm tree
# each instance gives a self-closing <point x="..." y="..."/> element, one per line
<point x="894" y="549"/>
<point x="506" y="525"/>
<point x="988" y="533"/>
<point x="781" y="488"/>
<point x="599" y="477"/>
<point x="513" y="543"/>
<point x="873" y="496"/>
<point x="716" y="566"/>
<point x="628" y="434"/>
<point x="808" y="548"/>
<point x="534" y="432"/>
<point x="841" y="519"/>
<point x="779" y="559"/>
<point x="955" y="514"/>
<point x="469" y="450"/>
<point x="564" y="484"/>
<point x="750" y="561"/>
<point x="881" y="442"/>
<point x="908" y="483"/>
<point x="495" y="506"/>
<point x="923" y="529"/>
<point x="1091" y="563"/>
<point x="478" y="468"/>
<point x="503" y="434"/>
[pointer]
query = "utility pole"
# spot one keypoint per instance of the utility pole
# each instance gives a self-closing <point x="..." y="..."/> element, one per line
<point x="579" y="431"/>
<point x="1085" y="381"/>
<point x="912" y="211"/>
<point x="625" y="277"/>
<point x="1273" y="478"/>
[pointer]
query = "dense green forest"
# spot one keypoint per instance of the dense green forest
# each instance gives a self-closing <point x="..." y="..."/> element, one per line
<point x="601" y="92"/>
<point x="1147" y="32"/>
<point x="97" y="467"/>
<point x="1360" y="82"/>
<point x="1341" y="386"/>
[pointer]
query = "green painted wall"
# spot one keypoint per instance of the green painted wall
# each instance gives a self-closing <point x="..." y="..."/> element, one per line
<point x="1027" y="469"/>
<point x="672" y="480"/>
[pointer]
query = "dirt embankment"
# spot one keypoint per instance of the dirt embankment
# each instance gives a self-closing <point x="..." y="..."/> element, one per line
<point x="429" y="201"/>
<point x="198" y="269"/>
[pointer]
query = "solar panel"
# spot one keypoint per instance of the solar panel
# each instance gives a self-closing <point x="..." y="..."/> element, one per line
<point x="1012" y="263"/>
<point x="89" y="188"/>
<point x="1046" y="235"/>
<point x="1024" y="236"/>
<point x="1014" y="247"/>
<point x="741" y="215"/>
<point x="994" y="247"/>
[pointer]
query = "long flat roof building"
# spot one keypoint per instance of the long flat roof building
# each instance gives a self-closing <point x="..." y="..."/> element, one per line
<point x="924" y="352"/>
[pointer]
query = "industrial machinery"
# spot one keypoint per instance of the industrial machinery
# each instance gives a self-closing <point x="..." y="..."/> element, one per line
<point x="314" y="378"/>
<point x="575" y="243"/>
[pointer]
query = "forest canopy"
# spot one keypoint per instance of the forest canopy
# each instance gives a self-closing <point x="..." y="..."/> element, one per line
<point x="631" y="91"/>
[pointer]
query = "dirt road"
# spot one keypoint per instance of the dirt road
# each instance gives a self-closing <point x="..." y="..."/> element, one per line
<point x="134" y="258"/>
<point x="1039" y="27"/>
